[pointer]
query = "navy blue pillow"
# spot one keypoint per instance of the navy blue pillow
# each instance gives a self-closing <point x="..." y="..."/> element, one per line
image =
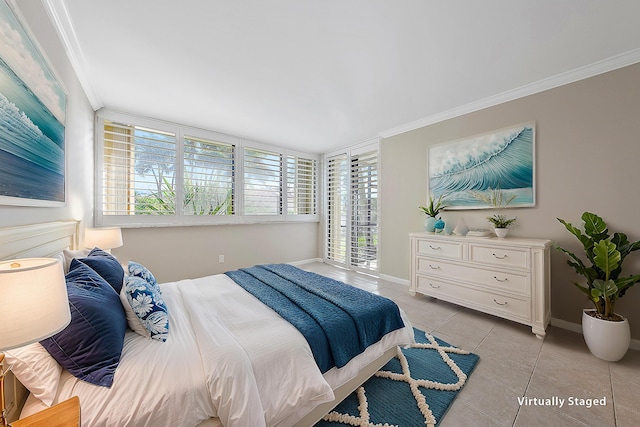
<point x="107" y="266"/>
<point x="90" y="347"/>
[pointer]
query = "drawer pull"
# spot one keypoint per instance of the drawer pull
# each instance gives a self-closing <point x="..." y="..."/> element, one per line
<point x="499" y="257"/>
<point x="435" y="248"/>
<point x="437" y="267"/>
<point x="500" y="303"/>
<point x="434" y="286"/>
<point x="503" y="280"/>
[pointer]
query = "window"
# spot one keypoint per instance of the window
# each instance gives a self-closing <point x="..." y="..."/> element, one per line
<point x="337" y="208"/>
<point x="262" y="182"/>
<point x="139" y="171"/>
<point x="352" y="208"/>
<point x="301" y="186"/>
<point x="209" y="169"/>
<point x="157" y="173"/>
<point x="364" y="210"/>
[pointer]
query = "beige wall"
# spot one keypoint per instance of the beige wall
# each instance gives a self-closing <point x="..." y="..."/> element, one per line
<point x="587" y="158"/>
<point x="174" y="253"/>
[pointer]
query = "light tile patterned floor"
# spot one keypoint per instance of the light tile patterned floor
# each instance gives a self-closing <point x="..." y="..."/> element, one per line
<point x="514" y="364"/>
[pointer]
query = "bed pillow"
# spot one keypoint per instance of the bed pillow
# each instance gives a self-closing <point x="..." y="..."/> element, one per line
<point x="34" y="367"/>
<point x="145" y="302"/>
<point x="133" y="320"/>
<point x="90" y="347"/>
<point x="137" y="269"/>
<point x="70" y="254"/>
<point x="107" y="266"/>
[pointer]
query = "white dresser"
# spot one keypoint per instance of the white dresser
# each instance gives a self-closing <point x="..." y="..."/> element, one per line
<point x="509" y="277"/>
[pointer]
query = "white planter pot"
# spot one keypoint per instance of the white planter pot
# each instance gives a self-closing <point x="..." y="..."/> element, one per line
<point x="501" y="232"/>
<point x="605" y="339"/>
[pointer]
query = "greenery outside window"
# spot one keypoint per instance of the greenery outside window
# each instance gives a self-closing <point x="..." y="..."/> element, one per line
<point x="151" y="172"/>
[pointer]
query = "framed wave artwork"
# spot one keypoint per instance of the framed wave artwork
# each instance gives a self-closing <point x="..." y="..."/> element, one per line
<point x="32" y="119"/>
<point x="469" y="173"/>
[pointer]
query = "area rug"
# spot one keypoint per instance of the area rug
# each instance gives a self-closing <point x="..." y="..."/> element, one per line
<point x="415" y="388"/>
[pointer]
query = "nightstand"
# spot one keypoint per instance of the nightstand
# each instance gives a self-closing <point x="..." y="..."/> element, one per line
<point x="65" y="414"/>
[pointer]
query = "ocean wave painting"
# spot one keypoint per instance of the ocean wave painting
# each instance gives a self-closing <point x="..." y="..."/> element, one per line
<point x="468" y="171"/>
<point x="32" y="116"/>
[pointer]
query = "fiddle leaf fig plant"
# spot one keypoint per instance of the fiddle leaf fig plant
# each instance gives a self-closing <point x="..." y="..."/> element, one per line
<point x="605" y="255"/>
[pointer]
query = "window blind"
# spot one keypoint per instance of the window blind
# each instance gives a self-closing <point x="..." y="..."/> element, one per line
<point x="301" y="186"/>
<point x="154" y="173"/>
<point x="262" y="182"/>
<point x="209" y="169"/>
<point x="337" y="208"/>
<point x="138" y="170"/>
<point x="364" y="210"/>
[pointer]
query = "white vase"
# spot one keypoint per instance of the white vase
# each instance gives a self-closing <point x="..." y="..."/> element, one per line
<point x="606" y="339"/>
<point x="501" y="232"/>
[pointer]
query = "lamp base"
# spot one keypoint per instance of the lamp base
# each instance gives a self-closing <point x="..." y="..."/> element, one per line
<point x="3" y="408"/>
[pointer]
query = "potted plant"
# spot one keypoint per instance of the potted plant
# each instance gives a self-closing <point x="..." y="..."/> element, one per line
<point x="606" y="333"/>
<point x="501" y="224"/>
<point x="432" y="210"/>
<point x="497" y="198"/>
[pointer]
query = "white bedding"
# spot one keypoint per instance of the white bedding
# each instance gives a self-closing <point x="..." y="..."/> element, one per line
<point x="227" y="356"/>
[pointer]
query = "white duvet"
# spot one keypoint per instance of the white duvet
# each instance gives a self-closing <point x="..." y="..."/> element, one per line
<point x="227" y="356"/>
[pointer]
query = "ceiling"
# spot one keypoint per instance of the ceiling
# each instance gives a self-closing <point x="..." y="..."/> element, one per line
<point x="318" y="75"/>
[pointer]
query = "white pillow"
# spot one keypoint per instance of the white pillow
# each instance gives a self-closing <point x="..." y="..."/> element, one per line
<point x="69" y="255"/>
<point x="34" y="367"/>
<point x="132" y="319"/>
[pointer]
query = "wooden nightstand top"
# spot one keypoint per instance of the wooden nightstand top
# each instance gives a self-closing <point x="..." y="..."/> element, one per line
<point x="65" y="414"/>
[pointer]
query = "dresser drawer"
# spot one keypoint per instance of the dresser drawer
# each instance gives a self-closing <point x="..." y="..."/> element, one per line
<point x="440" y="249"/>
<point x="503" y="256"/>
<point x="499" y="280"/>
<point x="488" y="302"/>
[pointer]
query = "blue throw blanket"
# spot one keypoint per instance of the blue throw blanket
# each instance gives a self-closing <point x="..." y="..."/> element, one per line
<point x="338" y="321"/>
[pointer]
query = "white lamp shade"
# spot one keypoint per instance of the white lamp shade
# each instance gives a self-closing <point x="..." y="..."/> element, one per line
<point x="34" y="299"/>
<point x="103" y="238"/>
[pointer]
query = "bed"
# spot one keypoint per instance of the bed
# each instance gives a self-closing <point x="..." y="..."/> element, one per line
<point x="227" y="358"/>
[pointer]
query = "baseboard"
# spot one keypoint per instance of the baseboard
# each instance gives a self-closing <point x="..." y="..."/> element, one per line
<point x="577" y="328"/>
<point x="306" y="261"/>
<point x="394" y="279"/>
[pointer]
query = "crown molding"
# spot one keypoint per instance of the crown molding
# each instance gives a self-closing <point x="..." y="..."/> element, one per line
<point x="61" y="21"/>
<point x="600" y="67"/>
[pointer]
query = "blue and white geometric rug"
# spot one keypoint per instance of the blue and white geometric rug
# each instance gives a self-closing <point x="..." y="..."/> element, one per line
<point x="413" y="389"/>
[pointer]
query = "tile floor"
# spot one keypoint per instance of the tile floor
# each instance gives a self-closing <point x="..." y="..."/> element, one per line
<point x="515" y="364"/>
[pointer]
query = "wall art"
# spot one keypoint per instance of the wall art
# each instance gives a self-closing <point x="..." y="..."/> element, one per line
<point x="482" y="171"/>
<point x="32" y="119"/>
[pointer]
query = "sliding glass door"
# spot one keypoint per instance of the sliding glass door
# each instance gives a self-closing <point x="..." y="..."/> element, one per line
<point x="352" y="208"/>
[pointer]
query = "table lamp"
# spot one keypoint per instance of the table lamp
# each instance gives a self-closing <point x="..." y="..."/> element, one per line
<point x="35" y="306"/>
<point x="105" y="238"/>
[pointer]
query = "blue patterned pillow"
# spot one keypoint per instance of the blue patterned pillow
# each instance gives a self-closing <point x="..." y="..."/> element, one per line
<point x="146" y="303"/>
<point x="137" y="269"/>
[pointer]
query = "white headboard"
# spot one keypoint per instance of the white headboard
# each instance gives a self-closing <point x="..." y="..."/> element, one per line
<point x="32" y="241"/>
<point x="38" y="240"/>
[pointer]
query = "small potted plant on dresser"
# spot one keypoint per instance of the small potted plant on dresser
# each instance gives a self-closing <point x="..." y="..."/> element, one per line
<point x="501" y="224"/>
<point x="606" y="333"/>
<point x="432" y="210"/>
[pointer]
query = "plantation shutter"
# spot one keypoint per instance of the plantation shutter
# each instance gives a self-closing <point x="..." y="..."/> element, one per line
<point x="208" y="182"/>
<point x="138" y="171"/>
<point x="364" y="210"/>
<point x="301" y="186"/>
<point x="262" y="182"/>
<point x="337" y="208"/>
